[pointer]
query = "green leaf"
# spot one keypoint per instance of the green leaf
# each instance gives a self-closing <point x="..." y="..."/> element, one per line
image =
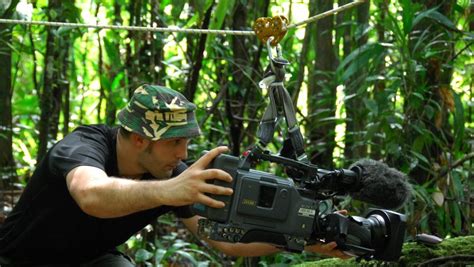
<point x="104" y="80"/>
<point x="219" y="13"/>
<point x="421" y="193"/>
<point x="143" y="255"/>
<point x="433" y="14"/>
<point x="372" y="129"/>
<point x="459" y="139"/>
<point x="63" y="31"/>
<point x="179" y="244"/>
<point x="421" y="157"/>
<point x="359" y="58"/>
<point x="458" y="188"/>
<point x="372" y="106"/>
<point x="159" y="254"/>
<point x="187" y="256"/>
<point x="113" y="53"/>
<point x="176" y="8"/>
<point x="26" y="105"/>
<point x="165" y="3"/>
<point x="457" y="217"/>
<point x="418" y="143"/>
<point x="408" y="14"/>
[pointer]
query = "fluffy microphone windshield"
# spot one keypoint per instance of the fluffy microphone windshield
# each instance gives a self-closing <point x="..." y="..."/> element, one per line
<point x="381" y="185"/>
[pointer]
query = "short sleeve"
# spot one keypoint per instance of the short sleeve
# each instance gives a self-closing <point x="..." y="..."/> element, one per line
<point x="85" y="146"/>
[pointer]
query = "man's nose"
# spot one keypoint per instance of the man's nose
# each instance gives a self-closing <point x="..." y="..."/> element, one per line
<point x="182" y="151"/>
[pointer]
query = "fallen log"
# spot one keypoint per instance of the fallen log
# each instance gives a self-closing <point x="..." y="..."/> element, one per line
<point x="458" y="251"/>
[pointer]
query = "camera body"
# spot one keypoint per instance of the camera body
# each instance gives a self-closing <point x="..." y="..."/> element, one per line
<point x="264" y="207"/>
<point x="272" y="209"/>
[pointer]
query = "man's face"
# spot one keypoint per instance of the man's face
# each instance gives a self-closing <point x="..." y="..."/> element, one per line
<point x="161" y="157"/>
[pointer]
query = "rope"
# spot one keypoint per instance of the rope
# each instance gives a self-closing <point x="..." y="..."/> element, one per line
<point x="174" y="29"/>
<point x="128" y="28"/>
<point x="327" y="13"/>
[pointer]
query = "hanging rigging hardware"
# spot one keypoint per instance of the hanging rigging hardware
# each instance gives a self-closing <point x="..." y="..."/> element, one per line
<point x="275" y="27"/>
<point x="175" y="29"/>
<point x="280" y="107"/>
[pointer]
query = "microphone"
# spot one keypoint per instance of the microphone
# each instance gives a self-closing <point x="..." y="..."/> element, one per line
<point x="381" y="185"/>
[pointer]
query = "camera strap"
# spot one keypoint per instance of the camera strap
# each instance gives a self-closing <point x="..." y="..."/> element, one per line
<point x="280" y="105"/>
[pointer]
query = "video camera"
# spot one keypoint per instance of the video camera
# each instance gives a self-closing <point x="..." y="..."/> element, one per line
<point x="293" y="212"/>
<point x="272" y="209"/>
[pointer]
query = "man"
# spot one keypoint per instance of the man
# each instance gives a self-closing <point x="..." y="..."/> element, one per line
<point x="100" y="185"/>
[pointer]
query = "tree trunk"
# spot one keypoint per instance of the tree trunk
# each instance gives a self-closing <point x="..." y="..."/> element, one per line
<point x="64" y="85"/>
<point x="7" y="163"/>
<point x="191" y="84"/>
<point x="54" y="81"/>
<point x="99" y="70"/>
<point x="114" y="69"/>
<point x="235" y="105"/>
<point x="303" y="58"/>
<point x="132" y="53"/>
<point x="252" y="95"/>
<point x="322" y="90"/>
<point x="380" y="95"/>
<point x="60" y="84"/>
<point x="356" y="122"/>
<point x="157" y="54"/>
<point x="46" y="98"/>
<point x="469" y="190"/>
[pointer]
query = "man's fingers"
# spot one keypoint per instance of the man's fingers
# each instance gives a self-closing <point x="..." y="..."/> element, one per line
<point x="216" y="190"/>
<point x="343" y="212"/>
<point x="216" y="174"/>
<point x="209" y="156"/>
<point x="329" y="246"/>
<point x="210" y="202"/>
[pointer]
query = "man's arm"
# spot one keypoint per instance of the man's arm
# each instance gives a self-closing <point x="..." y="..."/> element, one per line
<point x="260" y="249"/>
<point x="233" y="249"/>
<point x="107" y="197"/>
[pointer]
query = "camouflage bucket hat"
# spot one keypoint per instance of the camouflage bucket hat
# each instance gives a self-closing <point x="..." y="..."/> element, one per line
<point x="159" y="112"/>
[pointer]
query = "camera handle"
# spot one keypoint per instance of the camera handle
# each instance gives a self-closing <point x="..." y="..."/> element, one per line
<point x="280" y="105"/>
<point x="309" y="176"/>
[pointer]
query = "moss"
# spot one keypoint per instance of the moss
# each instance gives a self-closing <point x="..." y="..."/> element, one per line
<point x="414" y="254"/>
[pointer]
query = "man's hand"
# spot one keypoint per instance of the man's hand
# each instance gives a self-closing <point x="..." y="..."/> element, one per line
<point x="190" y="186"/>
<point x="329" y="249"/>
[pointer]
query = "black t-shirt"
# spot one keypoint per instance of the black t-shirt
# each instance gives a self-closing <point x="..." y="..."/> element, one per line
<point x="47" y="225"/>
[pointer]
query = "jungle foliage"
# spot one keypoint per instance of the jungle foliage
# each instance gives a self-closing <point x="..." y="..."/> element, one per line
<point x="389" y="80"/>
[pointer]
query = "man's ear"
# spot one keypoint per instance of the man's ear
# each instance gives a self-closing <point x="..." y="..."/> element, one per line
<point x="139" y="141"/>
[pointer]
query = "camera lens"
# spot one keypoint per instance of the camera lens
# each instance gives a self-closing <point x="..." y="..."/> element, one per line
<point x="378" y="229"/>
